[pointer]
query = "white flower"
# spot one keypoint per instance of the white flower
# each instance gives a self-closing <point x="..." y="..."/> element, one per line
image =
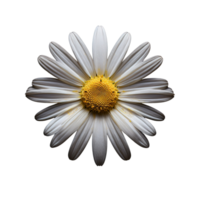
<point x="99" y="96"/>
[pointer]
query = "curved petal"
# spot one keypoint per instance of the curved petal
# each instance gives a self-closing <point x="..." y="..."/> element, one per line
<point x="60" y="54"/>
<point x="144" y="110"/>
<point x="60" y="71"/>
<point x="55" y="110"/>
<point x="52" y="83"/>
<point x="81" y="138"/>
<point x="69" y="127"/>
<point x="139" y="71"/>
<point x="100" y="50"/>
<point x="82" y="54"/>
<point x="127" y="127"/>
<point x="149" y="129"/>
<point x="55" y="126"/>
<point x="52" y="95"/>
<point x="138" y="55"/>
<point x="99" y="140"/>
<point x="147" y="96"/>
<point x="117" y="139"/>
<point x="138" y="121"/>
<point x="117" y="54"/>
<point x="148" y="83"/>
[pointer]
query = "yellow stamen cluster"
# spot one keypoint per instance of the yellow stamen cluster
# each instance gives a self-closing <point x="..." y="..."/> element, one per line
<point x="99" y="94"/>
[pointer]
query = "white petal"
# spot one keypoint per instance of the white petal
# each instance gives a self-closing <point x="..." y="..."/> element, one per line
<point x="81" y="138"/>
<point x="147" y="111"/>
<point x="52" y="95"/>
<point x="82" y="54"/>
<point x="60" y="71"/>
<point x="127" y="127"/>
<point x="99" y="140"/>
<point x="138" y="55"/>
<point x="52" y="83"/>
<point x="117" y="54"/>
<point x="55" y="110"/>
<point x="139" y="71"/>
<point x="138" y="121"/>
<point x="147" y="96"/>
<point x="60" y="54"/>
<point x="117" y="139"/>
<point x="56" y="125"/>
<point x="148" y="83"/>
<point x="69" y="127"/>
<point x="100" y="50"/>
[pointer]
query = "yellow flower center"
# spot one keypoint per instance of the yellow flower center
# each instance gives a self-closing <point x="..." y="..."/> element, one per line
<point x="99" y="94"/>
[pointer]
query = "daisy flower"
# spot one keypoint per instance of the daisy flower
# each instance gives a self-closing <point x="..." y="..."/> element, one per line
<point x="99" y="96"/>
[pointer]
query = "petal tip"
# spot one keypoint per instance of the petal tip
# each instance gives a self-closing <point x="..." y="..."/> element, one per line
<point x="99" y="26"/>
<point x="70" y="37"/>
<point x="52" y="45"/>
<point x="41" y="58"/>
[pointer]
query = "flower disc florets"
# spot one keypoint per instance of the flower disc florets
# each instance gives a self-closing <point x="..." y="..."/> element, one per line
<point x="99" y="94"/>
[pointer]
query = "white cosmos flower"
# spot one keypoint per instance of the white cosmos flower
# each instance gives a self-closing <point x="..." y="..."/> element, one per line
<point x="100" y="96"/>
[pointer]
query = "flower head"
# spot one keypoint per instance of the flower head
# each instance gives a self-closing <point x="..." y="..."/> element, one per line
<point x="100" y="96"/>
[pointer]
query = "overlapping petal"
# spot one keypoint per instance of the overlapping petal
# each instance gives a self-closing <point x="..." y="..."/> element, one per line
<point x="82" y="54"/>
<point x="69" y="127"/>
<point x="81" y="138"/>
<point x="100" y="50"/>
<point x="147" y="96"/>
<point x="52" y="83"/>
<point x="128" y="128"/>
<point x="61" y="55"/>
<point x="144" y="110"/>
<point x="138" y="55"/>
<point x="148" y="83"/>
<point x="138" y="121"/>
<point x="55" y="126"/>
<point x="139" y="71"/>
<point x="117" y="54"/>
<point x="60" y="71"/>
<point x="52" y="95"/>
<point x="117" y="139"/>
<point x="55" y="110"/>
